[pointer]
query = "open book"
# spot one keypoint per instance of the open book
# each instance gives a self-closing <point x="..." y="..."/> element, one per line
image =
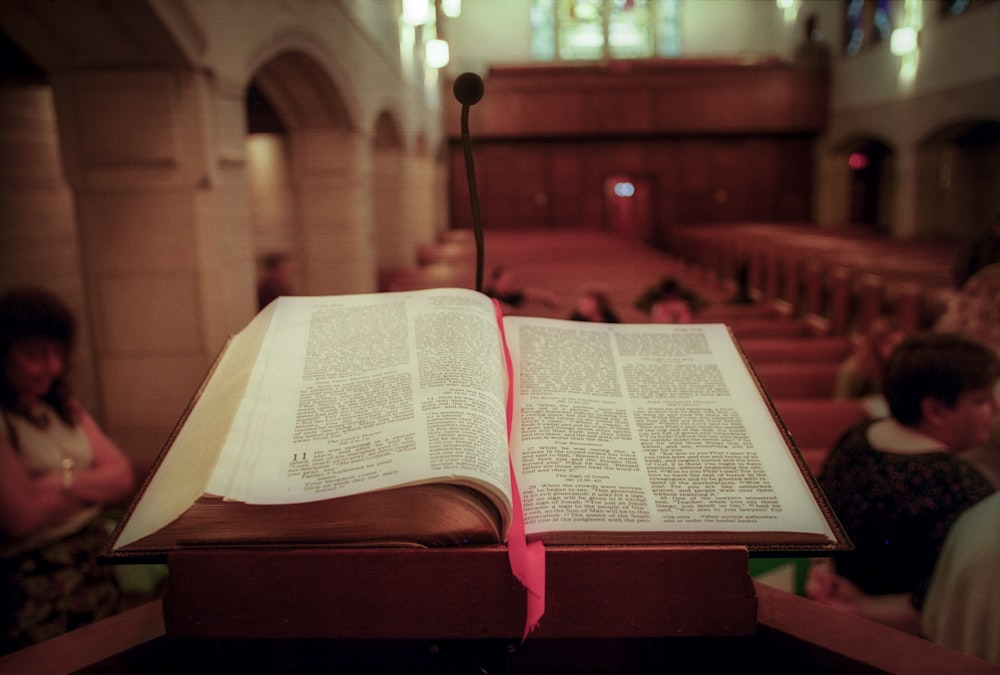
<point x="384" y="419"/>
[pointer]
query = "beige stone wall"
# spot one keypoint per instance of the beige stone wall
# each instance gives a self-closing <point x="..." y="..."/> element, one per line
<point x="132" y="189"/>
<point x="38" y="242"/>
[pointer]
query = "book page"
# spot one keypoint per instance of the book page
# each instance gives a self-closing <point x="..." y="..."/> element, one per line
<point x="181" y="475"/>
<point x="644" y="428"/>
<point x="363" y="392"/>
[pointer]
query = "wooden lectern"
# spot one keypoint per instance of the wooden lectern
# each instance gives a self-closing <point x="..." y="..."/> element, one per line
<point x="609" y="610"/>
<point x="323" y="593"/>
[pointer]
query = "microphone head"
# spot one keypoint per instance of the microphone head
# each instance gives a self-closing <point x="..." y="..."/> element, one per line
<point x="468" y="88"/>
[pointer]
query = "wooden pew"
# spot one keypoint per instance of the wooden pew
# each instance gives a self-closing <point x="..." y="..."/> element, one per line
<point x="722" y="312"/>
<point x="840" y="296"/>
<point x="436" y="275"/>
<point x="798" y="380"/>
<point x="756" y="327"/>
<point x="820" y="348"/>
<point x="447" y="251"/>
<point x="816" y="424"/>
<point x="838" y="277"/>
<point x="461" y="236"/>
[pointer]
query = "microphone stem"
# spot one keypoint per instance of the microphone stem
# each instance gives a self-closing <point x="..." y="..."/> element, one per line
<point x="470" y="173"/>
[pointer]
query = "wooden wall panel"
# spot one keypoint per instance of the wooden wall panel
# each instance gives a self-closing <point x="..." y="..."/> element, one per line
<point x="526" y="184"/>
<point x="716" y="140"/>
<point x="567" y="177"/>
<point x="648" y="97"/>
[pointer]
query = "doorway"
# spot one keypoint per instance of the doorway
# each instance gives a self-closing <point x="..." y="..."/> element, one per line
<point x="628" y="206"/>
<point x="868" y="166"/>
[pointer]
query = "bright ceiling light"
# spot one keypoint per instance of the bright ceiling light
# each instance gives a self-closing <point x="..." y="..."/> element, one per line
<point x="416" y="12"/>
<point x="903" y="41"/>
<point x="437" y="53"/>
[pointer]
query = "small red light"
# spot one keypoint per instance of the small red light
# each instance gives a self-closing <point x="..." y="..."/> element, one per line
<point x="857" y="161"/>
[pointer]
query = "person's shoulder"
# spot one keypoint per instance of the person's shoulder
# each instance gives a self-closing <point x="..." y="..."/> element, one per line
<point x="855" y="436"/>
<point x="849" y="452"/>
<point x="77" y="410"/>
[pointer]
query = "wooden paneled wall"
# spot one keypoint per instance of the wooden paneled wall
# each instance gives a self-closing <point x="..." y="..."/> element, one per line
<point x="703" y="141"/>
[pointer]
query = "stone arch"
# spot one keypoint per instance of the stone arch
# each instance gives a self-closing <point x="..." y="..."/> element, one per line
<point x="321" y="155"/>
<point x="957" y="174"/>
<point x="151" y="148"/>
<point x="306" y="118"/>
<point x="305" y="82"/>
<point x="302" y="93"/>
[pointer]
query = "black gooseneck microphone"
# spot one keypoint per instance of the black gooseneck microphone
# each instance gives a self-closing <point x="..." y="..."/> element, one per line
<point x="469" y="89"/>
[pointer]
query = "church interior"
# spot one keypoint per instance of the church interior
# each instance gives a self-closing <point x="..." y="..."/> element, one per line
<point x="799" y="167"/>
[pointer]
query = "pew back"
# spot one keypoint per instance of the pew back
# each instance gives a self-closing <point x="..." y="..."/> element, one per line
<point x="796" y="349"/>
<point x="797" y="380"/>
<point x="816" y="424"/>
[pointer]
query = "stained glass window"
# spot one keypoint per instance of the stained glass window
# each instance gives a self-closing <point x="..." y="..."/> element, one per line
<point x="581" y="26"/>
<point x="668" y="27"/>
<point x="630" y="29"/>
<point x="854" y="28"/>
<point x="870" y="22"/>
<point x="882" y="21"/>
<point x="543" y="30"/>
<point x="956" y="7"/>
<point x="602" y="29"/>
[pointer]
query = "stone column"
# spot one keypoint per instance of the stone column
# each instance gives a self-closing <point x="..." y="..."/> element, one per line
<point x="155" y="159"/>
<point x="394" y="209"/>
<point x="426" y="199"/>
<point x="332" y="174"/>
<point x="902" y="191"/>
<point x="38" y="242"/>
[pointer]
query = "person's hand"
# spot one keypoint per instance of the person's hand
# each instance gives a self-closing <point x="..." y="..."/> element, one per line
<point x="824" y="585"/>
<point x="51" y="481"/>
<point x="820" y="580"/>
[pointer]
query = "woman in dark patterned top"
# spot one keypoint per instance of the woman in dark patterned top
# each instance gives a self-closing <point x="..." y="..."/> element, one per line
<point x="896" y="483"/>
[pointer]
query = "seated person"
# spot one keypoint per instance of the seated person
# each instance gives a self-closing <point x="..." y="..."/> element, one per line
<point x="275" y="278"/>
<point x="594" y="306"/>
<point x="503" y="288"/>
<point x="860" y="374"/>
<point x="962" y="608"/>
<point x="975" y="313"/>
<point x="668" y="302"/>
<point x="57" y="472"/>
<point x="671" y="310"/>
<point x="896" y="483"/>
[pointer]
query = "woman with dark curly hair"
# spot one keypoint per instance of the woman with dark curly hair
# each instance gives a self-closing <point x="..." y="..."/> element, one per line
<point x="57" y="472"/>
<point x="897" y="483"/>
